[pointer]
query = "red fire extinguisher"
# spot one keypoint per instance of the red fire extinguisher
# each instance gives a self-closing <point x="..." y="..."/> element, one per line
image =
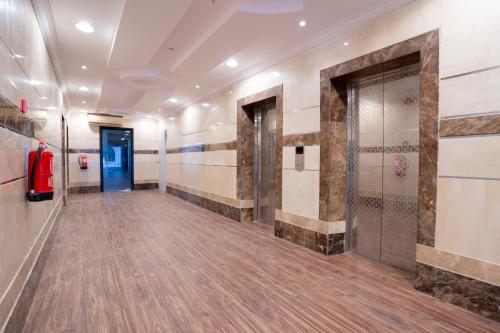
<point x="83" y="161"/>
<point x="40" y="174"/>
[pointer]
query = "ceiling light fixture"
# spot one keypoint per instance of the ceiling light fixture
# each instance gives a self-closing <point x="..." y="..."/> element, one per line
<point x="302" y="23"/>
<point x="173" y="100"/>
<point x="43" y="98"/>
<point x="171" y="118"/>
<point x="149" y="116"/>
<point x="83" y="88"/>
<point x="84" y="102"/>
<point x="197" y="86"/>
<point x="232" y="63"/>
<point x="219" y="123"/>
<point x="276" y="74"/>
<point x="84" y="67"/>
<point x="159" y="109"/>
<point x="231" y="92"/>
<point x="17" y="56"/>
<point x="205" y="105"/>
<point x="346" y="43"/>
<point x="85" y="26"/>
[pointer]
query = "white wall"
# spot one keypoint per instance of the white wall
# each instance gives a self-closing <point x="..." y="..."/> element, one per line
<point x="23" y="225"/>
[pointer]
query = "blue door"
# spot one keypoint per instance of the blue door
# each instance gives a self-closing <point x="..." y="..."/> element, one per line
<point x="117" y="151"/>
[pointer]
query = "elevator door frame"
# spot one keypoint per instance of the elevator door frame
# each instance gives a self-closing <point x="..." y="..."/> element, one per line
<point x="259" y="111"/>
<point x="101" y="129"/>
<point x="352" y="154"/>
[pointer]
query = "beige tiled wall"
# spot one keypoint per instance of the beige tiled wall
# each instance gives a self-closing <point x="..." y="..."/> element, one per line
<point x="468" y="31"/>
<point x="23" y="222"/>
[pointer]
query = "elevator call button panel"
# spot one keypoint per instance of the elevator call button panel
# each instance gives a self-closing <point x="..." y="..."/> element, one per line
<point x="299" y="156"/>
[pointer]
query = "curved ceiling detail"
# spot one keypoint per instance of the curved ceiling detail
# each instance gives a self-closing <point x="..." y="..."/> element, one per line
<point x="270" y="6"/>
<point x="145" y="80"/>
<point x="142" y="52"/>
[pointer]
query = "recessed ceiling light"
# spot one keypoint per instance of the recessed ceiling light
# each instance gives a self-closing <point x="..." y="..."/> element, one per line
<point x="149" y="116"/>
<point x="84" y="67"/>
<point x="219" y="123"/>
<point x="232" y="63"/>
<point x="83" y="88"/>
<point x="84" y="26"/>
<point x="302" y="23"/>
<point x="231" y="92"/>
<point x="43" y="98"/>
<point x="205" y="105"/>
<point x="171" y="118"/>
<point x="17" y="56"/>
<point x="173" y="100"/>
<point x="276" y="74"/>
<point x="84" y="102"/>
<point x="159" y="109"/>
<point x="197" y="86"/>
<point x="346" y="43"/>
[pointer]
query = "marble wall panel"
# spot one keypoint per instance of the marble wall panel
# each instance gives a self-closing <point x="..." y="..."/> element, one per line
<point x="473" y="295"/>
<point x="477" y="125"/>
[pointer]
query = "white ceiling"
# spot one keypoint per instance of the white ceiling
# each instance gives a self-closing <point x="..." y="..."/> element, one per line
<point x="145" y="51"/>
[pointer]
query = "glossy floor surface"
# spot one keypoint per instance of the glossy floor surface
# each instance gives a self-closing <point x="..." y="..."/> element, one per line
<point x="144" y="261"/>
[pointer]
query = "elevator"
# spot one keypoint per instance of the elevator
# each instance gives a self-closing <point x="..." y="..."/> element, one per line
<point x="382" y="167"/>
<point x="264" y="161"/>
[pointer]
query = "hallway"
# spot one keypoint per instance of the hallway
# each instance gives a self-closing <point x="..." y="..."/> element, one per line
<point x="145" y="261"/>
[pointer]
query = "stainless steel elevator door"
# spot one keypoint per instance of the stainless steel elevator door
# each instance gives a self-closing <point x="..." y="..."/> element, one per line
<point x="383" y="143"/>
<point x="264" y="162"/>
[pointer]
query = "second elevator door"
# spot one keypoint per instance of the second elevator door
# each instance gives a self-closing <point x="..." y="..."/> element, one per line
<point x="264" y="162"/>
<point x="383" y="167"/>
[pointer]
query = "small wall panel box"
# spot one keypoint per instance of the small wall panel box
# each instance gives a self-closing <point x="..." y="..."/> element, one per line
<point x="299" y="156"/>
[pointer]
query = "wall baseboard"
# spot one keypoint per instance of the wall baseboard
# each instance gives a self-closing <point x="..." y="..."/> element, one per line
<point x="31" y="272"/>
<point x="146" y="186"/>
<point x="327" y="244"/>
<point x="473" y="295"/>
<point x="231" y="212"/>
<point x="84" y="189"/>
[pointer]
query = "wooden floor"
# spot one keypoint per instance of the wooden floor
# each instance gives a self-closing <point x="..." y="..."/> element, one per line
<point x="145" y="261"/>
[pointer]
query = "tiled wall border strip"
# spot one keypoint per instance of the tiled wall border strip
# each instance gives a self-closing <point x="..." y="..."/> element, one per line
<point x="465" y="126"/>
<point x="231" y="145"/>
<point x="470" y="72"/>
<point x="12" y="180"/>
<point x="309" y="139"/>
<point x="97" y="151"/>
<point x="470" y="267"/>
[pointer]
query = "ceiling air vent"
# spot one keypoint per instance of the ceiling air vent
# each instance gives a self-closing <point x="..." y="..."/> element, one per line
<point x="101" y="119"/>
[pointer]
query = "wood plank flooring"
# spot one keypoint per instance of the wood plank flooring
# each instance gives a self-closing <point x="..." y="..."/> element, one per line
<point x="145" y="261"/>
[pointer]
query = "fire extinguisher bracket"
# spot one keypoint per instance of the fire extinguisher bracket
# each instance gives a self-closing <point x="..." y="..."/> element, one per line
<point x="42" y="196"/>
<point x="40" y="174"/>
